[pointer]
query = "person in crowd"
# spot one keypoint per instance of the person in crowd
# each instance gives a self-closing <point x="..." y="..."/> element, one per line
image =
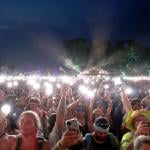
<point x="142" y="143"/>
<point x="48" y="106"/>
<point x="70" y="138"/>
<point x="4" y="139"/>
<point x="97" y="113"/>
<point x="22" y="102"/>
<point x="13" y="115"/>
<point x="58" y="119"/>
<point x="34" y="104"/>
<point x="136" y="104"/>
<point x="100" y="138"/>
<point x="29" y="124"/>
<point x="11" y="128"/>
<point x="2" y="96"/>
<point x="55" y="102"/>
<point x="146" y="101"/>
<point x="78" y="109"/>
<point x="138" y="122"/>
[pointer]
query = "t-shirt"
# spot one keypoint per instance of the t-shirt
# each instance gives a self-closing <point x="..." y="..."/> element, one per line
<point x="103" y="146"/>
<point x="111" y="143"/>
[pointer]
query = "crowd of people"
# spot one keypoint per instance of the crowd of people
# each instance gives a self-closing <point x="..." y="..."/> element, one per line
<point x="70" y="120"/>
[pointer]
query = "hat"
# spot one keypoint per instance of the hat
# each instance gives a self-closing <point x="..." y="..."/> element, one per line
<point x="132" y="115"/>
<point x="101" y="124"/>
<point x="2" y="116"/>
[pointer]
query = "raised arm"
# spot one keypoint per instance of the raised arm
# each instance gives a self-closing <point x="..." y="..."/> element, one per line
<point x="57" y="131"/>
<point x="100" y="89"/>
<point x="90" y="115"/>
<point x="61" y="110"/>
<point x="126" y="103"/>
<point x="71" y="107"/>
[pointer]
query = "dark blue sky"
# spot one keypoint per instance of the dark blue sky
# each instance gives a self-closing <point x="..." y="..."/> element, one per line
<point x="31" y="31"/>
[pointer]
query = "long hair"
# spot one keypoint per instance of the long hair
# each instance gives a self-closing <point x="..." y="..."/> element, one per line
<point x="35" y="117"/>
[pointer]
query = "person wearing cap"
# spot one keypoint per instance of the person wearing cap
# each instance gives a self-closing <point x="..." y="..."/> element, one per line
<point x="4" y="139"/>
<point x="100" y="138"/>
<point x="138" y="122"/>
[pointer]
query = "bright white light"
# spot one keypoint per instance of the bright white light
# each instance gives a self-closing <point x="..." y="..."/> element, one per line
<point x="47" y="84"/>
<point x="129" y="90"/>
<point x="58" y="85"/>
<point x="106" y="86"/>
<point x="87" y="92"/>
<point x="15" y="83"/>
<point x="91" y="94"/>
<point x="83" y="89"/>
<point x="117" y="81"/>
<point x="9" y="78"/>
<point x="49" y="91"/>
<point x="6" y="109"/>
<point x="52" y="79"/>
<point x="2" y="79"/>
<point x="67" y="80"/>
<point x="30" y="82"/>
<point x="92" y="82"/>
<point x="107" y="78"/>
<point x="86" y="81"/>
<point x="36" y="86"/>
<point x="9" y="85"/>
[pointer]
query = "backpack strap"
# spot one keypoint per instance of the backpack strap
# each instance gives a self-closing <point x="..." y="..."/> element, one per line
<point x="18" y="143"/>
<point x="40" y="141"/>
<point x="88" y="141"/>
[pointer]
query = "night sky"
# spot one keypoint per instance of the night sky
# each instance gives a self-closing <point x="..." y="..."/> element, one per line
<point x="32" y="31"/>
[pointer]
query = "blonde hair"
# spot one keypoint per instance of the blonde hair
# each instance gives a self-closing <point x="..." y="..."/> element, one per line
<point x="35" y="117"/>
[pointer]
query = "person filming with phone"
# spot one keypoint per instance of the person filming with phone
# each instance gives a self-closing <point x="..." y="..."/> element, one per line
<point x="100" y="138"/>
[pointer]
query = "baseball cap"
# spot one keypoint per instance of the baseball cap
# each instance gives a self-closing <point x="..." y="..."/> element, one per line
<point x="101" y="124"/>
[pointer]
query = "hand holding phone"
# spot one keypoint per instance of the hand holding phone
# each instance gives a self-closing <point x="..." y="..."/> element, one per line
<point x="72" y="124"/>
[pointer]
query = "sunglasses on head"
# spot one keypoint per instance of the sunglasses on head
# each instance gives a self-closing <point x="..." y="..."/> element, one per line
<point x="103" y="125"/>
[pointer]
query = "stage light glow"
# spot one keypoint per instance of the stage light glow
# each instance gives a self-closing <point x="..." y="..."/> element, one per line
<point x="117" y="81"/>
<point x="9" y="85"/>
<point x="83" y="89"/>
<point x="2" y="79"/>
<point x="36" y="85"/>
<point x="6" y="109"/>
<point x="49" y="91"/>
<point x="15" y="83"/>
<point x="91" y="93"/>
<point x="106" y="86"/>
<point x="128" y="90"/>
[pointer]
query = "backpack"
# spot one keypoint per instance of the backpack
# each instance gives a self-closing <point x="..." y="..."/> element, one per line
<point x="19" y="142"/>
<point x="88" y="141"/>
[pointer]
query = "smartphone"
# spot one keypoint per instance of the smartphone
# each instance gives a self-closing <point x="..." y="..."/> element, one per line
<point x="72" y="124"/>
